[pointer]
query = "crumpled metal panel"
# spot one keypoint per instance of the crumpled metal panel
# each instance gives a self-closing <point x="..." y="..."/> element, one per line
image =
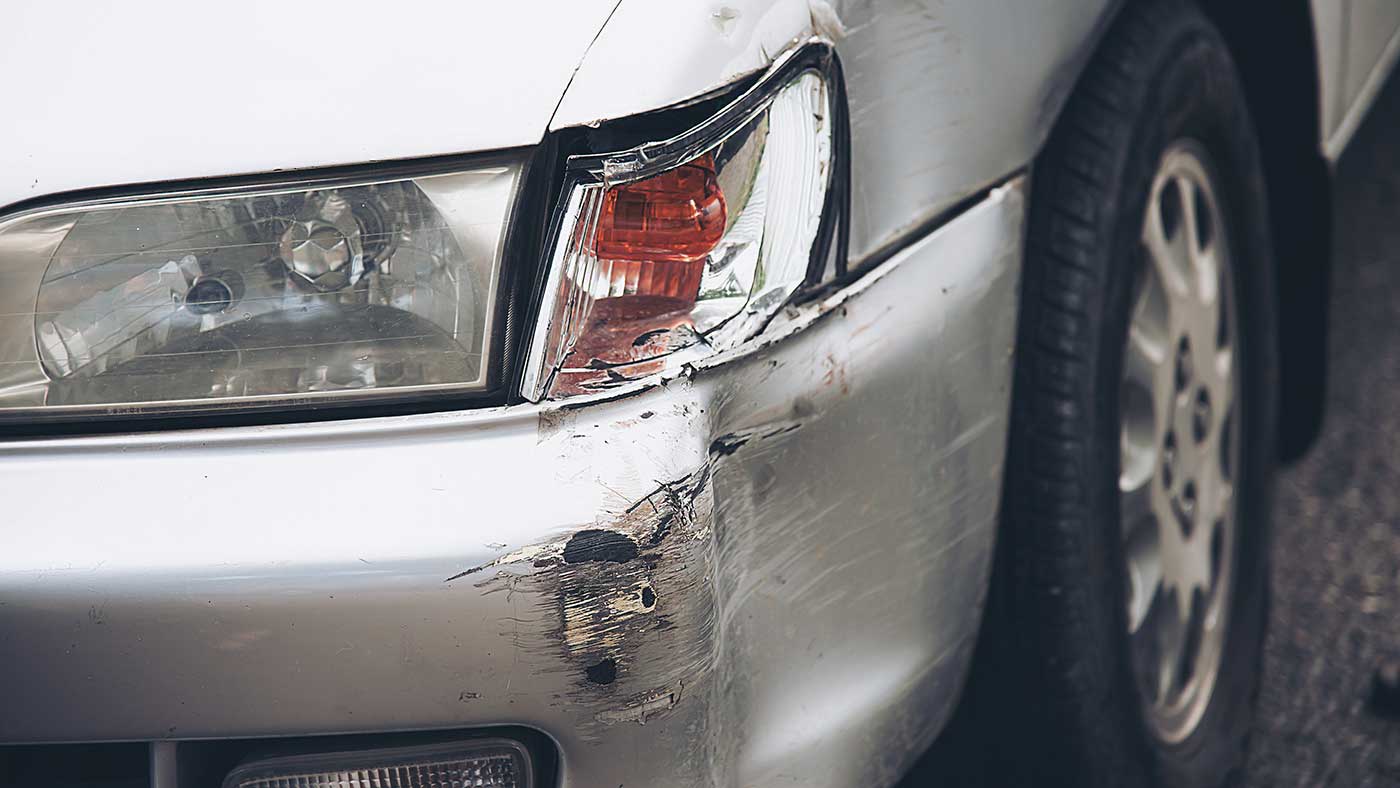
<point x="767" y="570"/>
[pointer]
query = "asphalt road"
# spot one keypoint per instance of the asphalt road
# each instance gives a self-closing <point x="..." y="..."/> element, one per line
<point x="1336" y="611"/>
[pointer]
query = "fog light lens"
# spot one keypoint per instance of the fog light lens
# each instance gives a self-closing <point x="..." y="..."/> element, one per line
<point x="488" y="763"/>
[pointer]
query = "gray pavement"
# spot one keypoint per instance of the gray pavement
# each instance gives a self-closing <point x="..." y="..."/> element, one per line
<point x="1336" y="609"/>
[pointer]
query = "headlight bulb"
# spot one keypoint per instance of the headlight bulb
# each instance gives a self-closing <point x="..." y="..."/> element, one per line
<point x="324" y="253"/>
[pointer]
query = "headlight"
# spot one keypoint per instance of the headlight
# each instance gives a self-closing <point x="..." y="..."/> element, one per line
<point x="254" y="297"/>
<point x="675" y="249"/>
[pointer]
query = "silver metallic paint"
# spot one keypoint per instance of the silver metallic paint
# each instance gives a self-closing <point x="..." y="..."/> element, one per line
<point x="833" y="490"/>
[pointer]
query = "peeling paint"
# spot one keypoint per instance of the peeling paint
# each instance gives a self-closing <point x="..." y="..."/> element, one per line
<point x="638" y="711"/>
<point x="724" y="19"/>
<point x="525" y="554"/>
<point x="730" y="442"/>
<point x="596" y="544"/>
<point x="625" y="601"/>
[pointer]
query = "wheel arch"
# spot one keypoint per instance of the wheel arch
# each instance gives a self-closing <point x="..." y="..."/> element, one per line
<point x="1279" y="68"/>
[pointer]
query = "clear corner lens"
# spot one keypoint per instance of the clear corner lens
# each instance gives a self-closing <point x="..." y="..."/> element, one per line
<point x="253" y="298"/>
<point x="690" y="259"/>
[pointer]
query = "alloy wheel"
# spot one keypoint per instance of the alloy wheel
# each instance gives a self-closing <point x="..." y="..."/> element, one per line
<point x="1180" y="445"/>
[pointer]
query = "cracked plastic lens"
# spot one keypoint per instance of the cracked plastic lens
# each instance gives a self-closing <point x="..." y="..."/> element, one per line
<point x="254" y="298"/>
<point x="692" y="258"/>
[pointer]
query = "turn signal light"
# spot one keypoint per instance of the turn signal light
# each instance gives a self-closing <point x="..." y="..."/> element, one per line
<point x="677" y="215"/>
<point x="667" y="252"/>
<point x="654" y="235"/>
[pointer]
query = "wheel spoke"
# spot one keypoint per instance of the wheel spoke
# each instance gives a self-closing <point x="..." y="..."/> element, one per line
<point x="1223" y="369"/>
<point x="1208" y="274"/>
<point x="1193" y="567"/>
<point x="1171" y="642"/>
<point x="1166" y="247"/>
<point x="1136" y="505"/>
<point x="1200" y="244"/>
<point x="1144" y="359"/>
<point x="1144" y="553"/>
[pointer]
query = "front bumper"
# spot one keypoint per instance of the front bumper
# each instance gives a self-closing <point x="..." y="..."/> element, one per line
<point x="768" y="570"/>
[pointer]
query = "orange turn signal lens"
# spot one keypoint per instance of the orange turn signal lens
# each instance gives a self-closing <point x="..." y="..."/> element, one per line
<point x="653" y="235"/>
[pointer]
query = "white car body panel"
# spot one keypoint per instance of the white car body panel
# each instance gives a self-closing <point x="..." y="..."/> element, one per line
<point x="133" y="92"/>
<point x="1358" y="43"/>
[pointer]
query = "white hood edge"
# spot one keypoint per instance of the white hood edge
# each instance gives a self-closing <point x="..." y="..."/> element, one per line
<point x="153" y="90"/>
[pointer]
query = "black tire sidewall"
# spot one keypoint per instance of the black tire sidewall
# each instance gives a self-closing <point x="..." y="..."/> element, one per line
<point x="1197" y="98"/>
<point x="1059" y="607"/>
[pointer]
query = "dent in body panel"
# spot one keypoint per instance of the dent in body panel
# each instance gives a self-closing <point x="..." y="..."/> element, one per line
<point x="821" y="565"/>
<point x="854" y="549"/>
<point x="622" y="609"/>
<point x="708" y="580"/>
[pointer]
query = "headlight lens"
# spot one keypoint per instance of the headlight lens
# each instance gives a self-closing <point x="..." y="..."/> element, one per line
<point x="673" y="250"/>
<point x="254" y="298"/>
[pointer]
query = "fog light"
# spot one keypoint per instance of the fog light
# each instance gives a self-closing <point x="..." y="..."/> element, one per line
<point x="489" y="763"/>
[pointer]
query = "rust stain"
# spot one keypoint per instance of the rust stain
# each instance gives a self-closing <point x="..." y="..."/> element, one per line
<point x="835" y="375"/>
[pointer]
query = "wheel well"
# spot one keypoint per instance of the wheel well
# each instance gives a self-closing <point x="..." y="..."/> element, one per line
<point x="1276" y="55"/>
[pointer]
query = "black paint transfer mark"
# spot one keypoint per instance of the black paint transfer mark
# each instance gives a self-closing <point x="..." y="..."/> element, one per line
<point x="614" y="378"/>
<point x="647" y="337"/>
<point x="725" y="445"/>
<point x="596" y="544"/>
<point x="604" y="672"/>
<point x="781" y="431"/>
<point x="466" y="572"/>
<point x="646" y="414"/>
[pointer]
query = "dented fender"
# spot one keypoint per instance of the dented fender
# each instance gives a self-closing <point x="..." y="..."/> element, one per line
<point x="765" y="569"/>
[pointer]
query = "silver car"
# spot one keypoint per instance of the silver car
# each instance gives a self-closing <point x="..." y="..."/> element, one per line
<point x="654" y="394"/>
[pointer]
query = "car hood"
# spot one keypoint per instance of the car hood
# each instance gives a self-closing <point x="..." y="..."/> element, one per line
<point x="152" y="90"/>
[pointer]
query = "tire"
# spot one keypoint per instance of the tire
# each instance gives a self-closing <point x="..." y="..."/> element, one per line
<point x="1067" y="678"/>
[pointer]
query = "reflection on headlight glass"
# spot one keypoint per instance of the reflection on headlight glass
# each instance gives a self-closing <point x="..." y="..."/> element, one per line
<point x="352" y="290"/>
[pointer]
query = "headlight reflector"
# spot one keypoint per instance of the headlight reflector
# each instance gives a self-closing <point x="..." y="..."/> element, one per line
<point x="254" y="297"/>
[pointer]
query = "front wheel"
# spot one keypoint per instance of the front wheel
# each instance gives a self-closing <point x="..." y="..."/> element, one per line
<point x="1133" y="570"/>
